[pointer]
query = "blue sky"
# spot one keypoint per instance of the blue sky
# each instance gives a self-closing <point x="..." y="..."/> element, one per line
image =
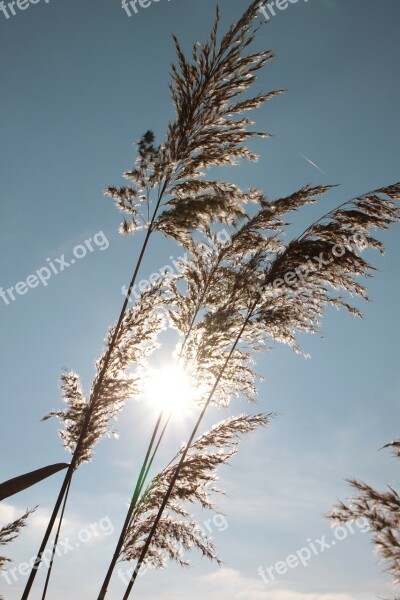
<point x="81" y="81"/>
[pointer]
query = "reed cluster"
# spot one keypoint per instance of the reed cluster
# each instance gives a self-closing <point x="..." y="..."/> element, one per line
<point x="224" y="303"/>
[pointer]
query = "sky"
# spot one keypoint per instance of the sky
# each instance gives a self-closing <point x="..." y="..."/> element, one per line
<point x="81" y="81"/>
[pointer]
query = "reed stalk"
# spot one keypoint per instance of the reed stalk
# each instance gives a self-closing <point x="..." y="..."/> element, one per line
<point x="96" y="393"/>
<point x="53" y="552"/>
<point x="363" y="213"/>
<point x="148" y="463"/>
<point x="183" y="457"/>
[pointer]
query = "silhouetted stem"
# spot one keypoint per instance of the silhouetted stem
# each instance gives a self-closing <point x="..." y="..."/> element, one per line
<point x="93" y="401"/>
<point x="184" y="453"/>
<point x="46" y="585"/>
<point x="146" y="467"/>
<point x="136" y="494"/>
<point x="156" y="449"/>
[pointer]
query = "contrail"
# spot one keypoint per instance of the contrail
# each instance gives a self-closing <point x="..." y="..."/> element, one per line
<point x="311" y="163"/>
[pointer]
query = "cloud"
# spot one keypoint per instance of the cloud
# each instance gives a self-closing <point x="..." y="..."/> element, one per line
<point x="73" y="525"/>
<point x="8" y="513"/>
<point x="228" y="584"/>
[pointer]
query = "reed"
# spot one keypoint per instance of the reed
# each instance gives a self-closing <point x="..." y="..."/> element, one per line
<point x="203" y="134"/>
<point x="257" y="310"/>
<point x="382" y="511"/>
<point x="205" y="93"/>
<point x="231" y="299"/>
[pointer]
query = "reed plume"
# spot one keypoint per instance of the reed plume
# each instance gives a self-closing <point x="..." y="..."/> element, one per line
<point x="177" y="530"/>
<point x="209" y="95"/>
<point x="9" y="532"/>
<point x="136" y="340"/>
<point x="249" y="264"/>
<point x="382" y="511"/>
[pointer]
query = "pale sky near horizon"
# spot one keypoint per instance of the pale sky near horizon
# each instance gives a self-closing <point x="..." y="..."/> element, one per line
<point x="81" y="81"/>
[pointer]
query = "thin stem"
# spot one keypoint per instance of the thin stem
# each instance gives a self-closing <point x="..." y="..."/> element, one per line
<point x="32" y="575"/>
<point x="93" y="401"/>
<point x="186" y="450"/>
<point x="146" y="467"/>
<point x="151" y="462"/>
<point x="46" y="585"/>
<point x="156" y="448"/>
<point x="198" y="306"/>
<point x="139" y="485"/>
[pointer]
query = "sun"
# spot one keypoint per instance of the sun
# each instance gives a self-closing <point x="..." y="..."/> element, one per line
<point x="169" y="388"/>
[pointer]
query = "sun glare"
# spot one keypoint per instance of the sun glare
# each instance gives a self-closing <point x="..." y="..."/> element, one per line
<point x="169" y="388"/>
